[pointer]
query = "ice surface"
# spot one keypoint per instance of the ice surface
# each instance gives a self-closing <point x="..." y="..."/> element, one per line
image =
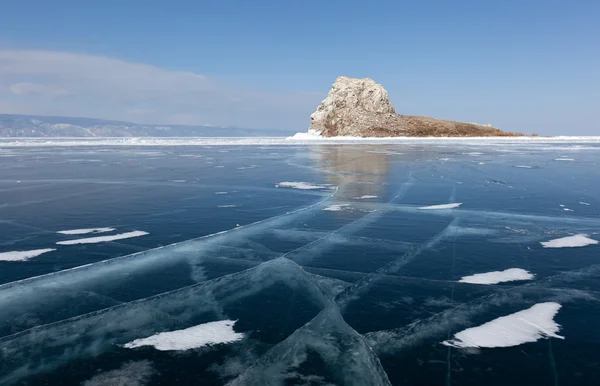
<point x="193" y="337"/>
<point x="365" y="197"/>
<point x="580" y="240"/>
<point x="221" y="298"/>
<point x="511" y="274"/>
<point x="343" y="357"/>
<point x="515" y="329"/>
<point x="102" y="239"/>
<point x="302" y="185"/>
<point x="85" y="231"/>
<point x="23" y="255"/>
<point x="136" y="373"/>
<point x="564" y="159"/>
<point x="442" y="206"/>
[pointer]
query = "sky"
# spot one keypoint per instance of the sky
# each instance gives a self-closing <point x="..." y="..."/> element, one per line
<point x="527" y="66"/>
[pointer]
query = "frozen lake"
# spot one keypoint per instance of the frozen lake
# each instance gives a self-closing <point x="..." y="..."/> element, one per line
<point x="278" y="262"/>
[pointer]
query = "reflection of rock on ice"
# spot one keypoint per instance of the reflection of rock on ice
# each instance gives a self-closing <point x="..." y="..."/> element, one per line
<point x="363" y="170"/>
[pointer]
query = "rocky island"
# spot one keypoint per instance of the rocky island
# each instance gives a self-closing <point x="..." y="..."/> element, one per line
<point x="361" y="108"/>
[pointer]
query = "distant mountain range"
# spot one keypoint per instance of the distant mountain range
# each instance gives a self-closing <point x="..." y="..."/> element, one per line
<point x="12" y="125"/>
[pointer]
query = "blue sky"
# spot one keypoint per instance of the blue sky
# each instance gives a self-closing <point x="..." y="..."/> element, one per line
<point x="531" y="66"/>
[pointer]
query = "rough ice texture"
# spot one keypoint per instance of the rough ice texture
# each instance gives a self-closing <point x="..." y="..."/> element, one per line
<point x="85" y="231"/>
<point x="301" y="185"/>
<point x="102" y="239"/>
<point x="198" y="336"/>
<point x="521" y="327"/>
<point x="345" y="358"/>
<point x="361" y="108"/>
<point x="23" y="255"/>
<point x="580" y="240"/>
<point x="130" y="374"/>
<point x="511" y="274"/>
<point x="442" y="206"/>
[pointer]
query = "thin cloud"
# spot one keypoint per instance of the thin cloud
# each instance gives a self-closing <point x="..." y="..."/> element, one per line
<point x="62" y="83"/>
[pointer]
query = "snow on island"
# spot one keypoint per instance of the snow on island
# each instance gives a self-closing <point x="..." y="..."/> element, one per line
<point x="23" y="255"/>
<point x="442" y="206"/>
<point x="580" y="240"/>
<point x="198" y="336"/>
<point x="515" y="329"/>
<point x="102" y="239"/>
<point x="495" y="277"/>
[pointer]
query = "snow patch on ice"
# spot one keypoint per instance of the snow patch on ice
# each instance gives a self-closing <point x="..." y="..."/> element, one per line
<point x="85" y="231"/>
<point x="101" y="239"/>
<point x="206" y="334"/>
<point x="336" y="207"/>
<point x="301" y="185"/>
<point x="365" y="197"/>
<point x="23" y="255"/>
<point x="564" y="159"/>
<point x="515" y="329"/>
<point x="442" y="206"/>
<point x="580" y="240"/>
<point x="495" y="277"/>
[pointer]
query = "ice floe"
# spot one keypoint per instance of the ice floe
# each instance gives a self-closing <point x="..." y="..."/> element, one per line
<point x="198" y="336"/>
<point x="584" y="203"/>
<point x="301" y="185"/>
<point x="442" y="206"/>
<point x="101" y="239"/>
<point x="221" y="192"/>
<point x="525" y="326"/>
<point x="85" y="231"/>
<point x="228" y="206"/>
<point x="524" y="167"/>
<point x="23" y="255"/>
<point x="495" y="277"/>
<point x="580" y="240"/>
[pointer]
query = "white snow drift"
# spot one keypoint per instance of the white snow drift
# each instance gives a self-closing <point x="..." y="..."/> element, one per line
<point x="442" y="206"/>
<point x="495" y="277"/>
<point x="23" y="255"/>
<point x="521" y="327"/>
<point x="85" y="231"/>
<point x="201" y="335"/>
<point x="102" y="239"/>
<point x="580" y="240"/>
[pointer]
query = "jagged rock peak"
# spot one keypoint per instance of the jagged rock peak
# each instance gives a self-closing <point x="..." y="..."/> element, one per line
<point x="361" y="108"/>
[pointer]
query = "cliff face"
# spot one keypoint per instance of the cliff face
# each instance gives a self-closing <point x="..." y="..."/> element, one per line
<point x="361" y="108"/>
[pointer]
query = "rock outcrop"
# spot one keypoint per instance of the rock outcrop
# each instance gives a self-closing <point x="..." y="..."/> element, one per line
<point x="361" y="108"/>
